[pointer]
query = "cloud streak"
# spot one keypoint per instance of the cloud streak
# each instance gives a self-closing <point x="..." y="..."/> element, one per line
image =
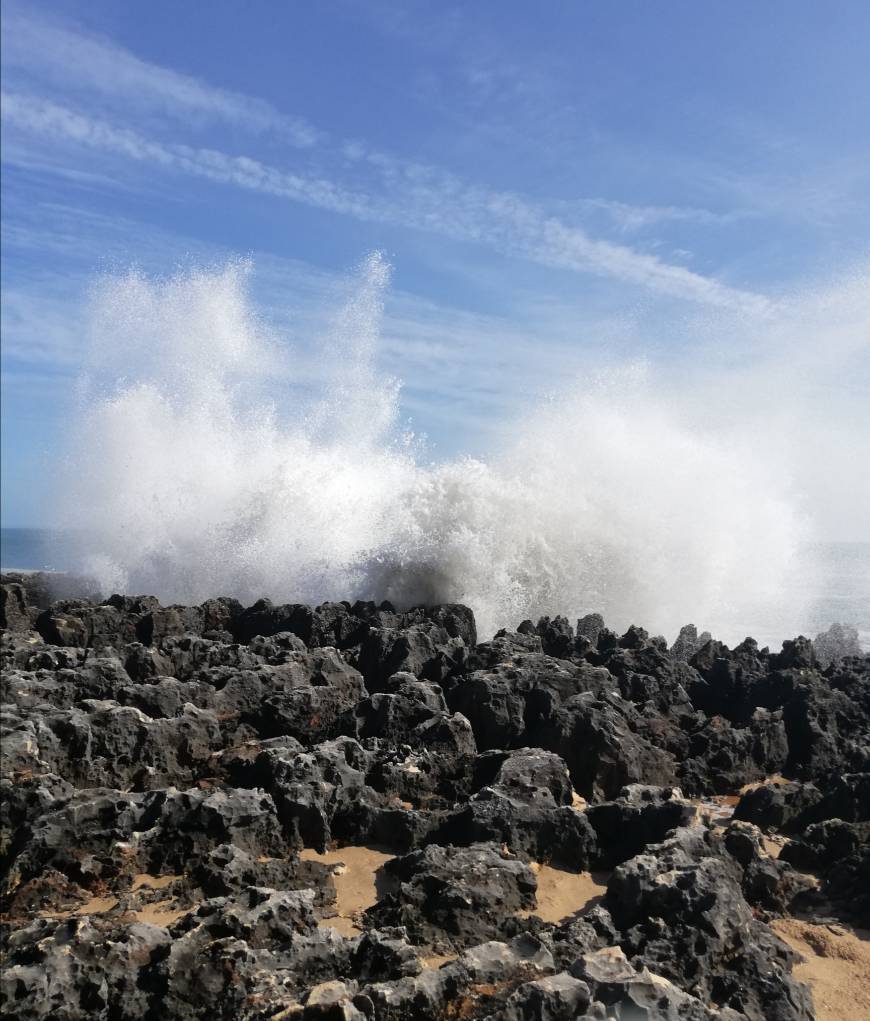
<point x="120" y="78"/>
<point x="418" y="198"/>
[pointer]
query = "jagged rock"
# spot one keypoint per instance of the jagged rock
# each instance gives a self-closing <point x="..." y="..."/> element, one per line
<point x="603" y="755"/>
<point x="640" y="816"/>
<point x="424" y="996"/>
<point x="493" y="962"/>
<point x="425" y="650"/>
<point x="840" y="852"/>
<point x="78" y="969"/>
<point x="556" y="998"/>
<point x="524" y="800"/>
<point x="774" y="806"/>
<point x="683" y="916"/>
<point x="590" y="627"/>
<point x="15" y="611"/>
<point x="557" y="637"/>
<point x="836" y="643"/>
<point x="226" y="871"/>
<point x="728" y="757"/>
<point x="847" y="798"/>
<point x="628" y="993"/>
<point x="170" y="763"/>
<point x="509" y="701"/>
<point x="454" y="897"/>
<point x="560" y="835"/>
<point x="688" y="641"/>
<point x="768" y="883"/>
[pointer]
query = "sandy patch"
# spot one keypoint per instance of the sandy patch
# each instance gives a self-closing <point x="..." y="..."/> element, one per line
<point x="95" y="906"/>
<point x="562" y="894"/>
<point x="716" y="810"/>
<point x="358" y="887"/>
<point x="437" y="960"/>
<point x="145" y="879"/>
<point x="356" y="883"/>
<point x="836" y="965"/>
<point x="773" y="844"/>
<point x="775" y="781"/>
<point x="163" y="913"/>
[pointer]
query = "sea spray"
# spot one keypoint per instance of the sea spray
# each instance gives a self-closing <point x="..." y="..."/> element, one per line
<point x="199" y="467"/>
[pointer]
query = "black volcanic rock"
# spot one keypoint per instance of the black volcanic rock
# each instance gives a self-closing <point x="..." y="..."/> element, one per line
<point x="454" y="897"/>
<point x="683" y="915"/>
<point x="594" y="737"/>
<point x="172" y="777"/>
<point x="523" y="800"/>
<point x="784" y="807"/>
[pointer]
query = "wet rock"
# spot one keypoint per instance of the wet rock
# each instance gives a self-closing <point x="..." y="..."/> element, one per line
<point x="108" y="625"/>
<point x="557" y="637"/>
<point x="504" y="648"/>
<point x="590" y="627"/>
<point x="688" y="642"/>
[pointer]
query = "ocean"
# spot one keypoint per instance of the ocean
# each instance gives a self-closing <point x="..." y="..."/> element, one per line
<point x="841" y="573"/>
<point x="38" y="549"/>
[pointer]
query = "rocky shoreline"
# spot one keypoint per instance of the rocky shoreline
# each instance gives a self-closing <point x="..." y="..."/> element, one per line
<point x="351" y="812"/>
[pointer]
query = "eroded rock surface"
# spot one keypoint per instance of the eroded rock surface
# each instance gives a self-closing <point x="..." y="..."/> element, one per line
<point x="178" y="784"/>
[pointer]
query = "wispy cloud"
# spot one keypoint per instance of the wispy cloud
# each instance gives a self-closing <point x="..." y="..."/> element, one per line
<point x="120" y="79"/>
<point x="417" y="197"/>
<point x="628" y="218"/>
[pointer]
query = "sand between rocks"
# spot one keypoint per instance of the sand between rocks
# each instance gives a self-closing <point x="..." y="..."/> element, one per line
<point x="358" y="887"/>
<point x="356" y="883"/>
<point x="562" y="894"/>
<point x="836" y="965"/>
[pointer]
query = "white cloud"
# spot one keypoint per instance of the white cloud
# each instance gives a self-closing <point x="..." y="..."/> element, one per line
<point x="629" y="218"/>
<point x="122" y="79"/>
<point x="419" y="197"/>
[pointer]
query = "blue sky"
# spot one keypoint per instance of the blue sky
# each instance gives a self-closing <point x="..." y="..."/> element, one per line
<point x="553" y="186"/>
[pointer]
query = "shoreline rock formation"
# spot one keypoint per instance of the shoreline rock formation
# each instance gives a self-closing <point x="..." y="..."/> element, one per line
<point x="178" y="784"/>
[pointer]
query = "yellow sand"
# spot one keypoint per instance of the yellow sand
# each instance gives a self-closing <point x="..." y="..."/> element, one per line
<point x="355" y="875"/>
<point x="836" y="965"/>
<point x="562" y="894"/>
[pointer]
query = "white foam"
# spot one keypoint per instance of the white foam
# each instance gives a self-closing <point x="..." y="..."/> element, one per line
<point x="652" y="504"/>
